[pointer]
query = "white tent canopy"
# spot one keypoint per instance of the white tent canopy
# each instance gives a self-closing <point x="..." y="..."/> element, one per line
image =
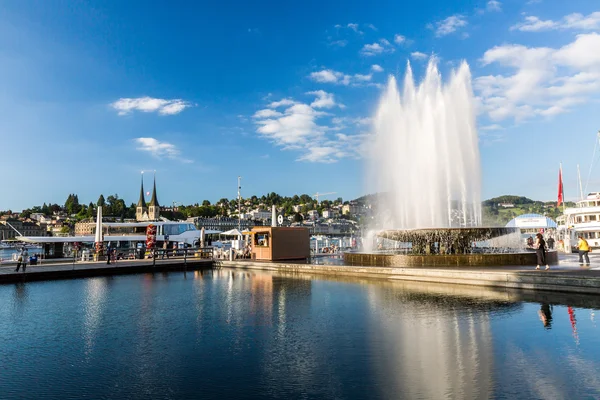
<point x="232" y="232"/>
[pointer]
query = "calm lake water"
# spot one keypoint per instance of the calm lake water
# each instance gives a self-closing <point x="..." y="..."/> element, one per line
<point x="232" y="334"/>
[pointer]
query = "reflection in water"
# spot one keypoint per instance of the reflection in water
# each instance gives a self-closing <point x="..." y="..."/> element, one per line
<point x="546" y="315"/>
<point x="20" y="294"/>
<point x="241" y="334"/>
<point x="434" y="346"/>
<point x="573" y="320"/>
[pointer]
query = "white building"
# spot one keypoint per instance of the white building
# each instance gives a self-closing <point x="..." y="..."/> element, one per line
<point x="331" y="213"/>
<point x="313" y="214"/>
<point x="260" y="214"/>
<point x="351" y="209"/>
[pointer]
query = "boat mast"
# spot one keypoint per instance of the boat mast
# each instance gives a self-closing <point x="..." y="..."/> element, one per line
<point x="580" y="185"/>
<point x="239" y="204"/>
<point x="592" y="163"/>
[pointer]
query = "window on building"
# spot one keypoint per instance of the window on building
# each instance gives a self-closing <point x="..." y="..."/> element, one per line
<point x="261" y="239"/>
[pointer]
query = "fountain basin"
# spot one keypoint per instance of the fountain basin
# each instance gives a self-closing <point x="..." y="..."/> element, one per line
<point x="446" y="260"/>
<point x="447" y="247"/>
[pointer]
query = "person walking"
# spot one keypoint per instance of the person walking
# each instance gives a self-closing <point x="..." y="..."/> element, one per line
<point x="584" y="249"/>
<point x="540" y="250"/>
<point x="22" y="260"/>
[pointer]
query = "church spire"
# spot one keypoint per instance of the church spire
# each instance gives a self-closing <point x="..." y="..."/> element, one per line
<point x="154" y="201"/>
<point x="141" y="201"/>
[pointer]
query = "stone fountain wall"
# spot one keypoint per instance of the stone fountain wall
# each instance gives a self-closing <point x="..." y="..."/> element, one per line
<point x="446" y="260"/>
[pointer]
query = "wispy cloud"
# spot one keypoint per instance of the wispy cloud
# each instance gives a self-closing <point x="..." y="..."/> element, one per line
<point x="399" y="39"/>
<point x="574" y="21"/>
<point x="494" y="5"/>
<point x="417" y="55"/>
<point x="448" y="25"/>
<point x="350" y="26"/>
<point x="323" y="100"/>
<point x="125" y="106"/>
<point x="372" y="27"/>
<point x="376" y="68"/>
<point x="160" y="149"/>
<point x="339" y="78"/>
<point x="373" y="49"/>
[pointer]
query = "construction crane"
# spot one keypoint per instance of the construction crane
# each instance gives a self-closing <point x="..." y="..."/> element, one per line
<point x="316" y="195"/>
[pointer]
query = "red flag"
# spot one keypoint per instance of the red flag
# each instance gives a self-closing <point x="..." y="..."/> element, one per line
<point x="560" y="188"/>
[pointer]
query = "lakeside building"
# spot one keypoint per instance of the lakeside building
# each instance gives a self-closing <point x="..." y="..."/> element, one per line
<point x="351" y="208"/>
<point x="223" y="223"/>
<point x="24" y="227"/>
<point x="331" y="213"/>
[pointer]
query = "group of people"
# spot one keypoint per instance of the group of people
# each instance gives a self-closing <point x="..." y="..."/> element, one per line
<point x="540" y="246"/>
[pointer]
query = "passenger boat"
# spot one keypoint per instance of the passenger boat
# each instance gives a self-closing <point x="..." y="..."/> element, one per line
<point x="582" y="219"/>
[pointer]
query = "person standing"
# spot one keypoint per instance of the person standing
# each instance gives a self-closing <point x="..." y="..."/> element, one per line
<point x="22" y="260"/>
<point x="584" y="249"/>
<point x="540" y="250"/>
<point x="165" y="249"/>
<point x="551" y="243"/>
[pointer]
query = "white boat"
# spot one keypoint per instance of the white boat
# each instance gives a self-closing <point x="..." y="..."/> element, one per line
<point x="582" y="219"/>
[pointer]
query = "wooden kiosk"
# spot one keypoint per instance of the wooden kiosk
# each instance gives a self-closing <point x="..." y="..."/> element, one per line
<point x="280" y="243"/>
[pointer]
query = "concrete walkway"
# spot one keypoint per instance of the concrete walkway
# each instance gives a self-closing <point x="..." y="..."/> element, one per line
<point x="566" y="277"/>
<point x="64" y="270"/>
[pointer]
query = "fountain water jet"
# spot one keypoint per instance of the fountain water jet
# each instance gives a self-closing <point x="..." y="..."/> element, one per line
<point x="425" y="154"/>
<point x="425" y="164"/>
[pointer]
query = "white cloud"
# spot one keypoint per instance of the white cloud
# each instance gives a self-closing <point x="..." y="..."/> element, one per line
<point x="363" y="78"/>
<point x="323" y="154"/>
<point x="417" y="55"/>
<point x="493" y="127"/>
<point x="354" y="27"/>
<point x="338" y="43"/>
<point x="574" y="21"/>
<point x="326" y="76"/>
<point x="383" y="46"/>
<point x="323" y="100"/>
<point x="159" y="149"/>
<point x="282" y="103"/>
<point x="544" y="81"/>
<point x="372" y="27"/>
<point x="267" y="113"/>
<point x="494" y="5"/>
<point x="399" y="39"/>
<point x="448" y="25"/>
<point x="376" y="68"/>
<point x="339" y="78"/>
<point x="305" y="129"/>
<point x="125" y="106"/>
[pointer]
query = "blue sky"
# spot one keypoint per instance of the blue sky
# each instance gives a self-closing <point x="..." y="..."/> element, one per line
<point x="91" y="93"/>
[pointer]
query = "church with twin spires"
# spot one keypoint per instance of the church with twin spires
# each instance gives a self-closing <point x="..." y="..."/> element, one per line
<point x="151" y="211"/>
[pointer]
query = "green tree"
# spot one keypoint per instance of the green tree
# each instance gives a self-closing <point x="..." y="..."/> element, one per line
<point x="89" y="213"/>
<point x="101" y="202"/>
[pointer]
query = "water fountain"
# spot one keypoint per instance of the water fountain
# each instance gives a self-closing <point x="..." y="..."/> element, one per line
<point x="425" y="164"/>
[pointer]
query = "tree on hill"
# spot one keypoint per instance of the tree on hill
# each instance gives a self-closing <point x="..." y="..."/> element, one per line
<point x="516" y="200"/>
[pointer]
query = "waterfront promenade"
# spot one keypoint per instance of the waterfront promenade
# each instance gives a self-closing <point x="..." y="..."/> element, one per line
<point x="566" y="277"/>
<point x="64" y="269"/>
